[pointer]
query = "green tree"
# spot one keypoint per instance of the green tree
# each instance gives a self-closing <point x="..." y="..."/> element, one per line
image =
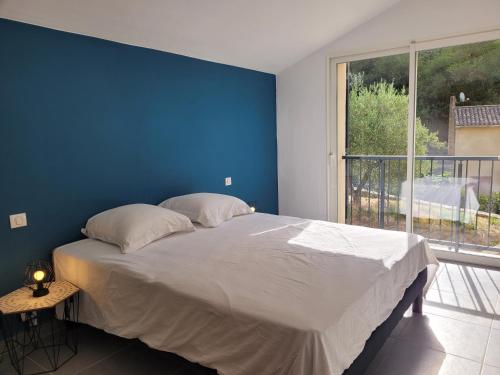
<point x="472" y="69"/>
<point x="377" y="125"/>
<point x="392" y="68"/>
<point x="378" y="117"/>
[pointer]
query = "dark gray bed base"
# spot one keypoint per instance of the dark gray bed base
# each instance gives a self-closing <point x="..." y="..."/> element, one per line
<point x="413" y="295"/>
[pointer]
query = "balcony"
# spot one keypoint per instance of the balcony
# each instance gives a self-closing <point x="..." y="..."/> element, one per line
<point x="456" y="199"/>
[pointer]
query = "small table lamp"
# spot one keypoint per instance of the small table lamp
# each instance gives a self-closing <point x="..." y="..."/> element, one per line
<point x="38" y="276"/>
<point x="253" y="206"/>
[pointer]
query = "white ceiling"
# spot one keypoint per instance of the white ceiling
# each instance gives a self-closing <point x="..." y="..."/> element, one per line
<point x="265" y="35"/>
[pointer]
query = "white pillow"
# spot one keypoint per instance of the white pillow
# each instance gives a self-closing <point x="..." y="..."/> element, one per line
<point x="133" y="226"/>
<point x="208" y="209"/>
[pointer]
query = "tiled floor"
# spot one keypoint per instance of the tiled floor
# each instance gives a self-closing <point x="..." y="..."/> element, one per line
<point x="459" y="333"/>
<point x="104" y="354"/>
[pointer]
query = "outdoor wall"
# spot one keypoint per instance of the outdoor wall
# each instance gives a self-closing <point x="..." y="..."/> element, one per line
<point x="480" y="141"/>
<point x="302" y="91"/>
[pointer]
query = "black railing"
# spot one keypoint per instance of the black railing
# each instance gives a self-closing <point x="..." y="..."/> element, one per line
<point x="456" y="198"/>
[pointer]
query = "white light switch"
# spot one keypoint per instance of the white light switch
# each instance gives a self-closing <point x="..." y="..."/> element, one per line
<point x="228" y="181"/>
<point x="18" y="220"/>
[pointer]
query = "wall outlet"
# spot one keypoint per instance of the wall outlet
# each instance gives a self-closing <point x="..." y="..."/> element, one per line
<point x="228" y="181"/>
<point x="18" y="220"/>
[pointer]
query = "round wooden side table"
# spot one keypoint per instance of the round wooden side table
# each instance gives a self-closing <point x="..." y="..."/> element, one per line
<point x="30" y="324"/>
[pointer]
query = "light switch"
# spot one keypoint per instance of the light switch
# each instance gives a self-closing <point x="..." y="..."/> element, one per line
<point x="18" y="220"/>
<point x="228" y="181"/>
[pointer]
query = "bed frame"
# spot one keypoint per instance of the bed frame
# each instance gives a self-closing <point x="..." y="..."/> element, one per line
<point x="413" y="295"/>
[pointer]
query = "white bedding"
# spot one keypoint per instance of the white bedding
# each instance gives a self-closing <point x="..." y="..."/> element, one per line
<point x="261" y="294"/>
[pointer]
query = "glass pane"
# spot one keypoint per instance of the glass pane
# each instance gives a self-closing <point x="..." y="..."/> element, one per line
<point x="376" y="141"/>
<point x="456" y="200"/>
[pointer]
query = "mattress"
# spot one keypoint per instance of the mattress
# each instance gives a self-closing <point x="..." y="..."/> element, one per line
<point x="260" y="294"/>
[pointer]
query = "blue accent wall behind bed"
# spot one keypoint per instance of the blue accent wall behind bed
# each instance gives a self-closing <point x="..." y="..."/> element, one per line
<point x="87" y="124"/>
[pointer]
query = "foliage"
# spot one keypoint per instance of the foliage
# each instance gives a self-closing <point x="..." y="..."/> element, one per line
<point x="495" y="202"/>
<point x="392" y="68"/>
<point x="378" y="117"/>
<point x="471" y="68"/>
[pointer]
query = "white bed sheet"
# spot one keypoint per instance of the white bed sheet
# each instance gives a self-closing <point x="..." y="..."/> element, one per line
<point x="261" y="294"/>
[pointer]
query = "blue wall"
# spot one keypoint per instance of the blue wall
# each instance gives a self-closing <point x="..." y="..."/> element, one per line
<point x="87" y="124"/>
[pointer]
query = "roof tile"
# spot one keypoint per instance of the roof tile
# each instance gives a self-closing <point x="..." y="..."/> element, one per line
<point x="477" y="115"/>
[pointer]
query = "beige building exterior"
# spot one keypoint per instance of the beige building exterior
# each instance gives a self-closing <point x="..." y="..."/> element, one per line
<point x="475" y="131"/>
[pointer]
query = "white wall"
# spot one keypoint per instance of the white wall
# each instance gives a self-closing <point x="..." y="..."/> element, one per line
<point x="302" y="88"/>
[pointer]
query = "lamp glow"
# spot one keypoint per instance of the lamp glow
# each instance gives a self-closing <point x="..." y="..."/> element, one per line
<point x="39" y="275"/>
<point x="253" y="206"/>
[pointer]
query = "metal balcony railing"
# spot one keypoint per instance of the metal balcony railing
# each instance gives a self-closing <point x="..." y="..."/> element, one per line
<point x="456" y="199"/>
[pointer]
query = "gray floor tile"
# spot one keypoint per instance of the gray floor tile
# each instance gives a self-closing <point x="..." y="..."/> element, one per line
<point x="490" y="370"/>
<point x="29" y="367"/>
<point x="137" y="359"/>
<point x="386" y="350"/>
<point x="94" y="346"/>
<point x="493" y="351"/>
<point x="410" y="359"/>
<point x="496" y="318"/>
<point x="481" y="284"/>
<point x="464" y="307"/>
<point x="398" y="330"/>
<point x="195" y="369"/>
<point x="448" y="335"/>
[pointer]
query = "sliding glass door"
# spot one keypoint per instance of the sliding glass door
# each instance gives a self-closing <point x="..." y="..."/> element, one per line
<point x="376" y="128"/>
<point x="418" y="141"/>
<point x="456" y="187"/>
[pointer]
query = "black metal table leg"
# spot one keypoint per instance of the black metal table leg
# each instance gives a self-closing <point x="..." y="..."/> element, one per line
<point x="26" y="333"/>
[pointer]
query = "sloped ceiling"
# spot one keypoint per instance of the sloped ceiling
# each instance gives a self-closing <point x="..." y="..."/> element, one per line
<point x="265" y="35"/>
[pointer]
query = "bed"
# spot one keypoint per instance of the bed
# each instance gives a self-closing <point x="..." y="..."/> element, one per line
<point x="260" y="294"/>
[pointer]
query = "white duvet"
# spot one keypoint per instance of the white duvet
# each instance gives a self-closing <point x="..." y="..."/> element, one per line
<point x="260" y="294"/>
